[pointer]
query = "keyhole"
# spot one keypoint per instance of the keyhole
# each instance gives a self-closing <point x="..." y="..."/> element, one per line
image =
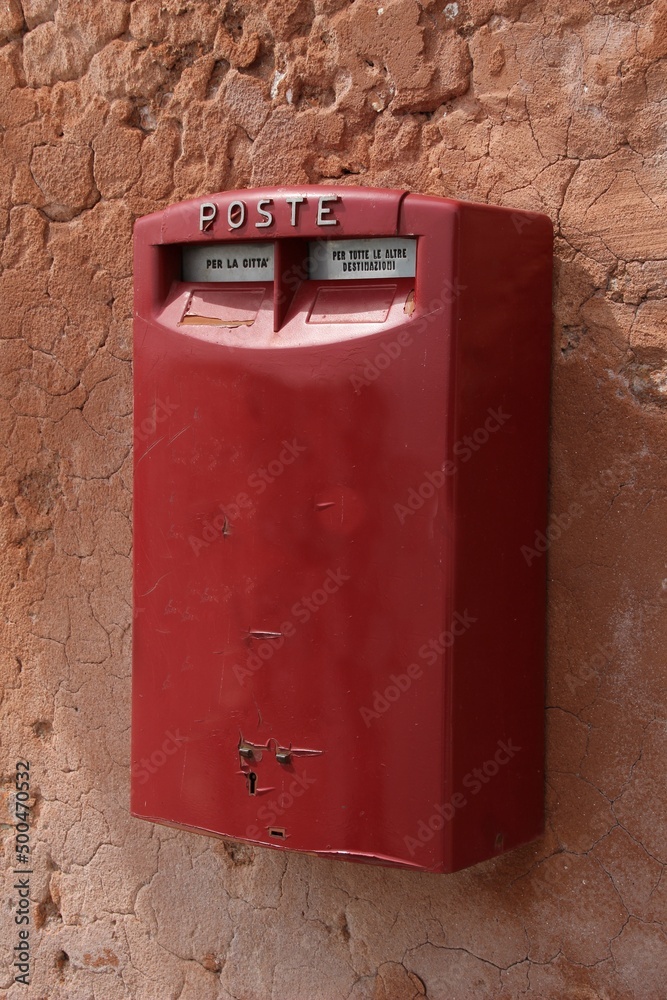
<point x="252" y="781"/>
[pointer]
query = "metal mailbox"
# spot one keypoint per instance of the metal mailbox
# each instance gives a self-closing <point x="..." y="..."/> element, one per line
<point x="341" y="415"/>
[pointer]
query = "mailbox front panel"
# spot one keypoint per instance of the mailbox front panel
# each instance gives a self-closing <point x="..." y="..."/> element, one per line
<point x="340" y="447"/>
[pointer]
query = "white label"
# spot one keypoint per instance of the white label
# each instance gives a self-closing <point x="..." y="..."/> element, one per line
<point x="389" y="257"/>
<point x="228" y="262"/>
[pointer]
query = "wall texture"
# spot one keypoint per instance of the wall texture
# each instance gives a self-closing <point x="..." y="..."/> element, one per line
<point x="113" y="109"/>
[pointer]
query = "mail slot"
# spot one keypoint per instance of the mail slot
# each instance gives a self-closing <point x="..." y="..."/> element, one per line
<point x="340" y="473"/>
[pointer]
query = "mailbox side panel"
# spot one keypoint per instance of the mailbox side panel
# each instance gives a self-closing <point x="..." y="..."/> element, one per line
<point x="498" y="436"/>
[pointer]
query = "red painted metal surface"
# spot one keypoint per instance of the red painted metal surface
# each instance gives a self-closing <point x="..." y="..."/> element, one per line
<point x="338" y="641"/>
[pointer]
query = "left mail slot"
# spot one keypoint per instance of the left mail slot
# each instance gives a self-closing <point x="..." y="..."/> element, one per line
<point x="222" y="307"/>
<point x="228" y="262"/>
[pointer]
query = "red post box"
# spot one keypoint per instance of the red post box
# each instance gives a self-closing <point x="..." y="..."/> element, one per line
<point x="341" y="415"/>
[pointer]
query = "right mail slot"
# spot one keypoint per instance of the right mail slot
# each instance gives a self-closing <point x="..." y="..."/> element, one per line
<point x="362" y="303"/>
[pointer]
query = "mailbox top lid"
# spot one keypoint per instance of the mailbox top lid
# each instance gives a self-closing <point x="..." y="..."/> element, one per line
<point x="308" y="211"/>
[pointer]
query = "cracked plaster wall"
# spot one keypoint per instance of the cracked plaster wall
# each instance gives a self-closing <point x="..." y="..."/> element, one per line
<point x="114" y="109"/>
